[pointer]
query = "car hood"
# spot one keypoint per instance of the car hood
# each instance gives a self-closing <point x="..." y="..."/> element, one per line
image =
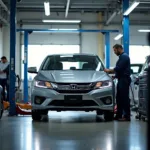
<point x="72" y="76"/>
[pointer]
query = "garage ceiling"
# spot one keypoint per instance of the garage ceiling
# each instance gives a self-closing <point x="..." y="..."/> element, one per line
<point x="76" y="5"/>
<point x="105" y="6"/>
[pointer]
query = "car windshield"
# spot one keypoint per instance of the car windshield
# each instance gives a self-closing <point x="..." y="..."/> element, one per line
<point x="136" y="68"/>
<point x="72" y="62"/>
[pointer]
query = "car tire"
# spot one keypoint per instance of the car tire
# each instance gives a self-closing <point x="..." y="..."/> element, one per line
<point x="44" y="112"/>
<point x="109" y="116"/>
<point x="99" y="112"/>
<point x="36" y="115"/>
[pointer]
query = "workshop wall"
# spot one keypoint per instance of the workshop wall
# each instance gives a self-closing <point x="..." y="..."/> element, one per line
<point x="79" y="39"/>
<point x="1" y="42"/>
<point x="47" y="38"/>
<point x="6" y="48"/>
<point x="87" y="41"/>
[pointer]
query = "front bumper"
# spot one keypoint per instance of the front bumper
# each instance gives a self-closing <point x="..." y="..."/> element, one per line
<point x="53" y="100"/>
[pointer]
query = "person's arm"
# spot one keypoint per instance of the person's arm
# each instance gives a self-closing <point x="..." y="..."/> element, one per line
<point x="6" y="70"/>
<point x="110" y="71"/>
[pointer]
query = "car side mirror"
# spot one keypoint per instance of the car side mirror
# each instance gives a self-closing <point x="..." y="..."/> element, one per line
<point x="32" y="70"/>
<point x="131" y="71"/>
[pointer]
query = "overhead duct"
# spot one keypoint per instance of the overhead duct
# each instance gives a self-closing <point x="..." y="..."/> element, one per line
<point x="111" y="18"/>
<point x="4" y="13"/>
<point x="4" y="6"/>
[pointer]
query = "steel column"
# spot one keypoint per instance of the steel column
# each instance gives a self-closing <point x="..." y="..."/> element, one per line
<point x="126" y="27"/>
<point x="107" y="50"/>
<point x="12" y="76"/>
<point x="26" y="66"/>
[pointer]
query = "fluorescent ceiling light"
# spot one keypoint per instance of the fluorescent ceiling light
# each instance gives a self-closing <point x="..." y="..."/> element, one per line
<point x="47" y="8"/>
<point x="67" y="8"/>
<point x="63" y="29"/>
<point x="53" y="29"/>
<point x="111" y="18"/>
<point x="62" y="21"/>
<point x="144" y="30"/>
<point x="131" y="8"/>
<point x="68" y="29"/>
<point x="118" y="36"/>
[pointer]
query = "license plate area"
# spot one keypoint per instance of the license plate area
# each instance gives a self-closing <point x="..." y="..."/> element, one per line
<point x="73" y="98"/>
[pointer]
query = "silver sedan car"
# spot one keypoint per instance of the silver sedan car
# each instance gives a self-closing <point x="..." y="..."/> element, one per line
<point x="72" y="82"/>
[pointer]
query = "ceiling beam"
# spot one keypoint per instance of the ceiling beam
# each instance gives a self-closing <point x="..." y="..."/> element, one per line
<point x="4" y="13"/>
<point x="4" y="20"/>
<point x="39" y="22"/>
<point x="114" y="14"/>
<point x="4" y="6"/>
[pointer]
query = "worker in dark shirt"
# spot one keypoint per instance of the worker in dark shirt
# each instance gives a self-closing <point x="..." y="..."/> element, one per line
<point x="122" y="73"/>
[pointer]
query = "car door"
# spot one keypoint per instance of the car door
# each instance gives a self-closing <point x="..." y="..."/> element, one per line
<point x="143" y="88"/>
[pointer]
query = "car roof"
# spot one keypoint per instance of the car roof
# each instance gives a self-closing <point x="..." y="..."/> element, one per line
<point x="82" y="54"/>
<point x="137" y="64"/>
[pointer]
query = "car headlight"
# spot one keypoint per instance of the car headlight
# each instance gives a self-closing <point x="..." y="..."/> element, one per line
<point x="103" y="84"/>
<point x="43" y="84"/>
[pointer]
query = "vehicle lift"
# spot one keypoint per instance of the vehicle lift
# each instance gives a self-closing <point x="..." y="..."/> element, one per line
<point x="21" y="108"/>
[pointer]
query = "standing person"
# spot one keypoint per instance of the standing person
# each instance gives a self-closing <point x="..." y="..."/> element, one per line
<point x="122" y="73"/>
<point x="4" y="67"/>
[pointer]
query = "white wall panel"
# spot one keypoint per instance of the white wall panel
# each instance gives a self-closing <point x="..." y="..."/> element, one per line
<point x="1" y="42"/>
<point x="48" y="38"/>
<point x="90" y="17"/>
<point x="53" y="39"/>
<point x="89" y="40"/>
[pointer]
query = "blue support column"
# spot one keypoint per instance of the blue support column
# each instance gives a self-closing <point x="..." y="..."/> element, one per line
<point x="12" y="76"/>
<point x="26" y="66"/>
<point x="126" y="27"/>
<point x="107" y="50"/>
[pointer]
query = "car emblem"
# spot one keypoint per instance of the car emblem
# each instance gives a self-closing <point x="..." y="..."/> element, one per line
<point x="73" y="86"/>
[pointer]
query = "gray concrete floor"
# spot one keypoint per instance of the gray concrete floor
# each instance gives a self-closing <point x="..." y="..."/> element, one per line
<point x="71" y="131"/>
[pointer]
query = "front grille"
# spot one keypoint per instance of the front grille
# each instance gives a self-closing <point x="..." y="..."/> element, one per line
<point x="73" y="91"/>
<point x="73" y="103"/>
<point x="74" y="88"/>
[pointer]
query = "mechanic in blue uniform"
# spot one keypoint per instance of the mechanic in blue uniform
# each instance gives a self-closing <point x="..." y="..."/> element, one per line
<point x="122" y="73"/>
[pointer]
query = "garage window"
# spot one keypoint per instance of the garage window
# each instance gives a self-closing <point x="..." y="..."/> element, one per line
<point x="138" y="53"/>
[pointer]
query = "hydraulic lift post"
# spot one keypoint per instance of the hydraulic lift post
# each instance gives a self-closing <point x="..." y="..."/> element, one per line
<point x="12" y="76"/>
<point x="25" y="67"/>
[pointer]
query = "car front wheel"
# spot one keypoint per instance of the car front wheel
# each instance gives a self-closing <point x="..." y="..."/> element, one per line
<point x="109" y="116"/>
<point x="36" y="115"/>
